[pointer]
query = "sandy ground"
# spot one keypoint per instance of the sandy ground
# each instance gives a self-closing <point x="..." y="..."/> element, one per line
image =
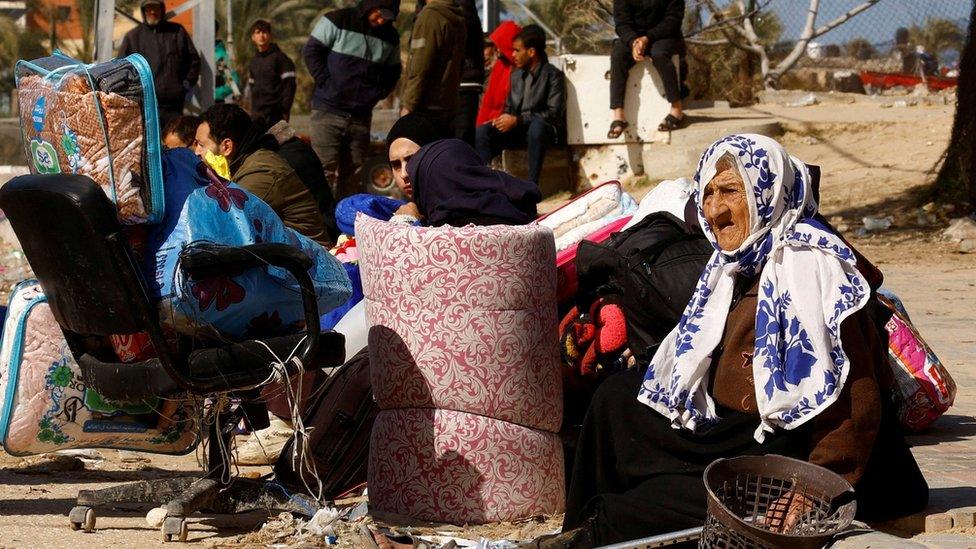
<point x="875" y="161"/>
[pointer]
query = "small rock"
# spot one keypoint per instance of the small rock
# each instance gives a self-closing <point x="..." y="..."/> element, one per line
<point x="938" y="522"/>
<point x="156" y="517"/>
<point x="967" y="246"/>
<point x="929" y="208"/>
<point x="843" y="227"/>
<point x="963" y="519"/>
<point x="811" y="140"/>
<point x="884" y="106"/>
<point x="962" y="228"/>
<point x="900" y="104"/>
<point x="836" y="219"/>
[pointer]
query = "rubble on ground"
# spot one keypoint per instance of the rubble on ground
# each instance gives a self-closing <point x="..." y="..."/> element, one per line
<point x="962" y="230"/>
<point x="343" y="527"/>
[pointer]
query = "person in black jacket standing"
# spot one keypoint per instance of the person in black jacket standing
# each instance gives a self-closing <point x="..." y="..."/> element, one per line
<point x="271" y="80"/>
<point x="472" y="74"/>
<point x="173" y="58"/>
<point x="535" y="111"/>
<point x="647" y="28"/>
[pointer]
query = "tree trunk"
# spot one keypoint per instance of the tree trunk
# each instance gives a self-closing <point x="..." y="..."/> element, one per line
<point x="957" y="177"/>
<point x="747" y="69"/>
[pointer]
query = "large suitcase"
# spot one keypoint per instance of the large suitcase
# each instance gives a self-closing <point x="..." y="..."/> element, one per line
<point x="45" y="405"/>
<point x="97" y="120"/>
<point x="336" y="448"/>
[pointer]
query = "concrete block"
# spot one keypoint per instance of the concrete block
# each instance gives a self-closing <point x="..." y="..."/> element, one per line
<point x="947" y="541"/>
<point x="938" y="522"/>
<point x="870" y="540"/>
<point x="556" y="173"/>
<point x="963" y="518"/>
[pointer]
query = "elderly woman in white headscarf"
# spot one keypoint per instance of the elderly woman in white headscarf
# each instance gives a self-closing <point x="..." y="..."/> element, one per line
<point x="776" y="353"/>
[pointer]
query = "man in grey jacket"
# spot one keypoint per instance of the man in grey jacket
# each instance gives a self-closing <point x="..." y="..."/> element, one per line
<point x="535" y="111"/>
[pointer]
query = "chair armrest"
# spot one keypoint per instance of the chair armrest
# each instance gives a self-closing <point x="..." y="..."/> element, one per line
<point x="208" y="260"/>
<point x="200" y="261"/>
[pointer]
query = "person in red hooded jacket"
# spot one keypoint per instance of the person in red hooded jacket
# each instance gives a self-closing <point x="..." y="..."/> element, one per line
<point x="493" y="100"/>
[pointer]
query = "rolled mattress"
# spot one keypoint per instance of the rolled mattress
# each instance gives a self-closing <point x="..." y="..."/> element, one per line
<point x="447" y="466"/>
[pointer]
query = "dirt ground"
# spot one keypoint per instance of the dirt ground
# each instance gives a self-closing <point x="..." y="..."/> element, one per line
<point x="876" y="162"/>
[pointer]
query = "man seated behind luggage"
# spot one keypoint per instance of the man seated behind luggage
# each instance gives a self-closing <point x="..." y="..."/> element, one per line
<point x="536" y="105"/>
<point x="181" y="132"/>
<point x="300" y="155"/>
<point x="241" y="151"/>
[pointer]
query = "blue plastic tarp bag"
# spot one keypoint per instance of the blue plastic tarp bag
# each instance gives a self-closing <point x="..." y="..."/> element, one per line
<point x="263" y="302"/>
<point x="380" y="207"/>
<point x="331" y="318"/>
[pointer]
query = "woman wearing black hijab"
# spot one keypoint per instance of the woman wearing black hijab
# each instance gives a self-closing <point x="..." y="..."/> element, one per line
<point x="451" y="185"/>
<point x="407" y="135"/>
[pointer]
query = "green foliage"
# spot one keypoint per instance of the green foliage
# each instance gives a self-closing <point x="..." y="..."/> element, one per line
<point x="291" y="23"/>
<point x="722" y="71"/>
<point x="15" y="44"/>
<point x="937" y="35"/>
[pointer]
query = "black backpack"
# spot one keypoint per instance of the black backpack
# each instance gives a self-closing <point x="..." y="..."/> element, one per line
<point x="339" y="423"/>
<point x="650" y="270"/>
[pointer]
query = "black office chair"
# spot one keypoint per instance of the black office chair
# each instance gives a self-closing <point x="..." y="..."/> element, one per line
<point x="73" y="241"/>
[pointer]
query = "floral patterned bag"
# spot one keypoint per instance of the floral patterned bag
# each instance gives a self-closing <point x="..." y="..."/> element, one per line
<point x="97" y="120"/>
<point x="45" y="406"/>
<point x="202" y="208"/>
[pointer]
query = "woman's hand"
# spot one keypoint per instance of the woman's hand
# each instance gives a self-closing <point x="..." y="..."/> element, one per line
<point x="410" y="208"/>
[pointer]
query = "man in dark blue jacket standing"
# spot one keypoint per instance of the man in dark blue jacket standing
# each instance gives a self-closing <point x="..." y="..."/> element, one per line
<point x="173" y="58"/>
<point x="354" y="56"/>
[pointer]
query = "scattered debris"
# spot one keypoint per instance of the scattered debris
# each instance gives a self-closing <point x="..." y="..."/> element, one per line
<point x="877" y="223"/>
<point x="811" y="140"/>
<point x="805" y="101"/>
<point x="961" y="228"/>
<point x="49" y="463"/>
<point x="963" y="231"/>
<point x="925" y="218"/>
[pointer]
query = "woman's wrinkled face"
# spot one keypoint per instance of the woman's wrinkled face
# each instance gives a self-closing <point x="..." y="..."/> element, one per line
<point x="401" y="151"/>
<point x="726" y="209"/>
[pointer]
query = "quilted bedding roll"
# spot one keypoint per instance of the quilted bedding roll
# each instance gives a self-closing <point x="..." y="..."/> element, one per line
<point x="463" y="319"/>
<point x="445" y="466"/>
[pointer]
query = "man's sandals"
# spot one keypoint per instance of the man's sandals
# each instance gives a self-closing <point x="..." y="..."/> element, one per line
<point x="671" y="123"/>
<point x="617" y="128"/>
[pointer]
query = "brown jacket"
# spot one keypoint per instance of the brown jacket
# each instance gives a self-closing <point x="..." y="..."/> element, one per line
<point x="433" y="75"/>
<point x="268" y="176"/>
<point x="844" y="434"/>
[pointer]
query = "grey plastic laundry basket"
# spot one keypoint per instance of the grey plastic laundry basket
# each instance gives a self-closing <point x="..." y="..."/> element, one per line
<point x="749" y="497"/>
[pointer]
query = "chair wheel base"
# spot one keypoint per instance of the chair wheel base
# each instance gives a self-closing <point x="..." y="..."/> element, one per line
<point x="82" y="517"/>
<point x="175" y="529"/>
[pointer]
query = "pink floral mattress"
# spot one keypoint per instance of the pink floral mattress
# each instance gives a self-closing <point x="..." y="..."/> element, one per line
<point x="463" y="319"/>
<point x="446" y="466"/>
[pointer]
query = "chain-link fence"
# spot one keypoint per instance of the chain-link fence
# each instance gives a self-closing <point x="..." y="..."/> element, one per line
<point x="739" y="46"/>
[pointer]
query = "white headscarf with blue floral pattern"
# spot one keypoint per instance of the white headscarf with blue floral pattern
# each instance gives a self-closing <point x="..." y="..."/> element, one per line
<point x="808" y="284"/>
